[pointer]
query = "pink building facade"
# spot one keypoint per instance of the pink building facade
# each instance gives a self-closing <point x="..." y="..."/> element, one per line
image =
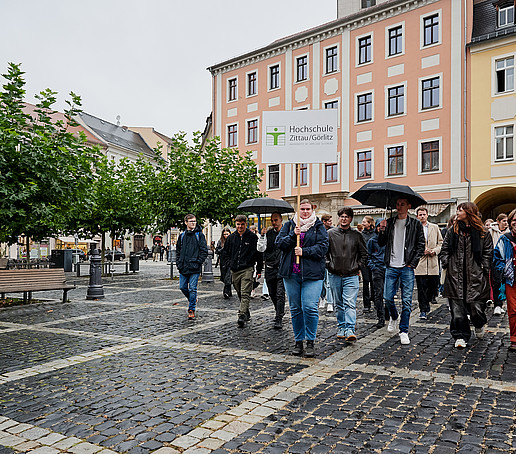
<point x="394" y="71"/>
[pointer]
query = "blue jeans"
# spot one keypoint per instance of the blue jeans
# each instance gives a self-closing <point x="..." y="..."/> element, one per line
<point x="188" y="285"/>
<point x="405" y="277"/>
<point x="345" y="292"/>
<point x="326" y="289"/>
<point x="303" y="298"/>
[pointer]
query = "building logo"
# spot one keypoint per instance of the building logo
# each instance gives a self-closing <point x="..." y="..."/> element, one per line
<point x="276" y="135"/>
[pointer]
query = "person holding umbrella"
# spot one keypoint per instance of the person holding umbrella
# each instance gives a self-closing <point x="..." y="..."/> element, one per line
<point x="303" y="278"/>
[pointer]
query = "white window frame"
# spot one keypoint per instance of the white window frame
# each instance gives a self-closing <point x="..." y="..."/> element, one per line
<point x="422" y="45"/>
<point x="506" y="9"/>
<point x="269" y="89"/>
<point x="229" y="101"/>
<point x="268" y="173"/>
<point x="247" y="131"/>
<point x="357" y="50"/>
<point x="236" y="123"/>
<point x="355" y="165"/>
<point x="308" y="172"/>
<point x="420" y="92"/>
<point x="307" y="55"/>
<point x="387" y="40"/>
<point x="493" y="142"/>
<point x="326" y="73"/>
<point x="247" y="95"/>
<point x="387" y="87"/>
<point x="494" y="87"/>
<point x="386" y="159"/>
<point x="420" y="155"/>
<point x="356" y="122"/>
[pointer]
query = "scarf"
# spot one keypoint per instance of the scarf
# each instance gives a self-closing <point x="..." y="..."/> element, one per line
<point x="306" y="224"/>
<point x="475" y="240"/>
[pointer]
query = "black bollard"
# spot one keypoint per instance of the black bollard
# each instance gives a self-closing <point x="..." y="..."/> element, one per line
<point x="95" y="288"/>
<point x="207" y="274"/>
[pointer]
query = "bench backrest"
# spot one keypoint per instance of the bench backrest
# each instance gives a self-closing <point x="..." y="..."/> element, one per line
<point x="12" y="281"/>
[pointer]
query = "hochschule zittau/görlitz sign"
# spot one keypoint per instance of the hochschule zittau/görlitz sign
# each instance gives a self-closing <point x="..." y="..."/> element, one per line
<point x="299" y="136"/>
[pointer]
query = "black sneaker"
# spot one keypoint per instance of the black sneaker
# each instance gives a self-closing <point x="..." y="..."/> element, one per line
<point x="278" y="324"/>
<point x="380" y="324"/>
<point x="298" y="349"/>
<point x="241" y="321"/>
<point x="310" y="350"/>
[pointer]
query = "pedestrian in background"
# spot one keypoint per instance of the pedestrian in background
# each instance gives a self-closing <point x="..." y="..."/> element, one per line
<point x="367" y="280"/>
<point x="223" y="259"/>
<point x="466" y="256"/>
<point x="303" y="281"/>
<point x="155" y="252"/>
<point x="504" y="261"/>
<point x="326" y="299"/>
<point x="427" y="271"/>
<point x="347" y="255"/>
<point x="376" y="262"/>
<point x="191" y="252"/>
<point x="497" y="229"/>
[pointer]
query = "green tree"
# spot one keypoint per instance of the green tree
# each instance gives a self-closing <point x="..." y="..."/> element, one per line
<point x="45" y="168"/>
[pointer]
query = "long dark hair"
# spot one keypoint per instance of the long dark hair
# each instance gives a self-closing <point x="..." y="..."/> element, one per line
<point x="222" y="237"/>
<point x="472" y="216"/>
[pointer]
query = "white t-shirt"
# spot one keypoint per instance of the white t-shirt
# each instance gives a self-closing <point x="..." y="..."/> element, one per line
<point x="398" y="244"/>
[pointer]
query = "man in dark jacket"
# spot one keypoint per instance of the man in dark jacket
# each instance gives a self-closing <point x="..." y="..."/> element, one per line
<point x="240" y="247"/>
<point x="271" y="255"/>
<point x="191" y="252"/>
<point x="367" y="278"/>
<point x="404" y="243"/>
<point x="376" y="263"/>
<point x="347" y="254"/>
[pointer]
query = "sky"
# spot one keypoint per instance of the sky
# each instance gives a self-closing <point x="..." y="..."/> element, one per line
<point x="144" y="60"/>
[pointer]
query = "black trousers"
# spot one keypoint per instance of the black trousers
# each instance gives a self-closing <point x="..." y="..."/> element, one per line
<point x="277" y="295"/>
<point x="426" y="290"/>
<point x="225" y="276"/>
<point x="367" y="287"/>
<point x="496" y="281"/>
<point x="459" y="325"/>
<point x="378" y="280"/>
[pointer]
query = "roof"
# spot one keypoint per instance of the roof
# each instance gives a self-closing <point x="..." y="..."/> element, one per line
<point x="485" y="23"/>
<point x="116" y="135"/>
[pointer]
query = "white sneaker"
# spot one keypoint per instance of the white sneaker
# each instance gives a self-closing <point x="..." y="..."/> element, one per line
<point x="404" y="339"/>
<point x="329" y="308"/>
<point x="480" y="332"/>
<point x="460" y="343"/>
<point x="392" y="325"/>
<point x="322" y="303"/>
<point x="498" y="311"/>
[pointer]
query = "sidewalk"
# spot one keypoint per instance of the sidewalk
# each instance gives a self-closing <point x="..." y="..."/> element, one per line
<point x="130" y="373"/>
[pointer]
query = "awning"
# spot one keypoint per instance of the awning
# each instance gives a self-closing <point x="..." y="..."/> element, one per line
<point x="71" y="239"/>
<point x="434" y="207"/>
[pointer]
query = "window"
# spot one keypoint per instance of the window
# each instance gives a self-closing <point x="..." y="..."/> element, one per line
<point x="395" y="41"/>
<point x="302" y="68"/>
<point x="505" y="75"/>
<point x="252" y="131"/>
<point x="331" y="60"/>
<point x="430" y="156"/>
<point x="504" y="141"/>
<point x="396" y="100"/>
<point x="430" y="93"/>
<point x="395" y="160"/>
<point x="251" y="84"/>
<point x="331" y="105"/>
<point x="330" y="172"/>
<point x="274" y="77"/>
<point x="506" y="16"/>
<point x="274" y="176"/>
<point x="364" y="50"/>
<point x="303" y="173"/>
<point x="232" y="89"/>
<point x="368" y="3"/>
<point x="232" y="136"/>
<point x="364" y="159"/>
<point x="365" y="107"/>
<point x="431" y="30"/>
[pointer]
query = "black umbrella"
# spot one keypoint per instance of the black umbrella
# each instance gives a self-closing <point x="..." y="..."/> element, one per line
<point x="385" y="195"/>
<point x="265" y="205"/>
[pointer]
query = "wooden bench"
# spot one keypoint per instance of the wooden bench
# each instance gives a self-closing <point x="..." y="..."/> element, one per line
<point x="28" y="281"/>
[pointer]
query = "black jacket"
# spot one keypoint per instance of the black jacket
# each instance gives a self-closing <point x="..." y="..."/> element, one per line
<point x="414" y="241"/>
<point x="315" y="246"/>
<point x="191" y="251"/>
<point x="271" y="255"/>
<point x="242" y="252"/>
<point x="347" y="253"/>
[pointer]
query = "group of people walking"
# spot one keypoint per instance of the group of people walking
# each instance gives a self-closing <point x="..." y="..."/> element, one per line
<point x="312" y="263"/>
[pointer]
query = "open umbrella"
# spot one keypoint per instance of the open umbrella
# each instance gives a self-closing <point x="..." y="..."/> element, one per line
<point x="385" y="195"/>
<point x="265" y="205"/>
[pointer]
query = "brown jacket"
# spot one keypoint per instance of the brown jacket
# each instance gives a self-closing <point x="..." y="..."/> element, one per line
<point x="429" y="264"/>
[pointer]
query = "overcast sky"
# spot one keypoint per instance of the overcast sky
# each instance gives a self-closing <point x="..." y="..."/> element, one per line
<point x="144" y="60"/>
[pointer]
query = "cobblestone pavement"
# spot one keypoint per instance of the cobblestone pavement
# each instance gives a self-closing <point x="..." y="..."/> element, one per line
<point x="129" y="373"/>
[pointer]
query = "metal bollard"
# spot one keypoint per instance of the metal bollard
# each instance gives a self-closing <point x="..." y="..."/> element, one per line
<point x="95" y="287"/>
<point x="207" y="274"/>
<point x="172" y="270"/>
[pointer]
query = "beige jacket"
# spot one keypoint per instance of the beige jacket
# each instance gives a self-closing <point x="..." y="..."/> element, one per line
<point x="429" y="264"/>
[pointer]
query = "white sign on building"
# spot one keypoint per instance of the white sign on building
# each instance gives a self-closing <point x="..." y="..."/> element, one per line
<point x="299" y="136"/>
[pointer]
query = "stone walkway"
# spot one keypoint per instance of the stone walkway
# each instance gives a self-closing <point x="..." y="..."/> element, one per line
<point x="130" y="373"/>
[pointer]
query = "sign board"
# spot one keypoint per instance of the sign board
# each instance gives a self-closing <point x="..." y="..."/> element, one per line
<point x="299" y="136"/>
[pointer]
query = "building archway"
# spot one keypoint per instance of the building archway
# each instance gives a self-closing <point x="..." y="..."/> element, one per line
<point x="495" y="201"/>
